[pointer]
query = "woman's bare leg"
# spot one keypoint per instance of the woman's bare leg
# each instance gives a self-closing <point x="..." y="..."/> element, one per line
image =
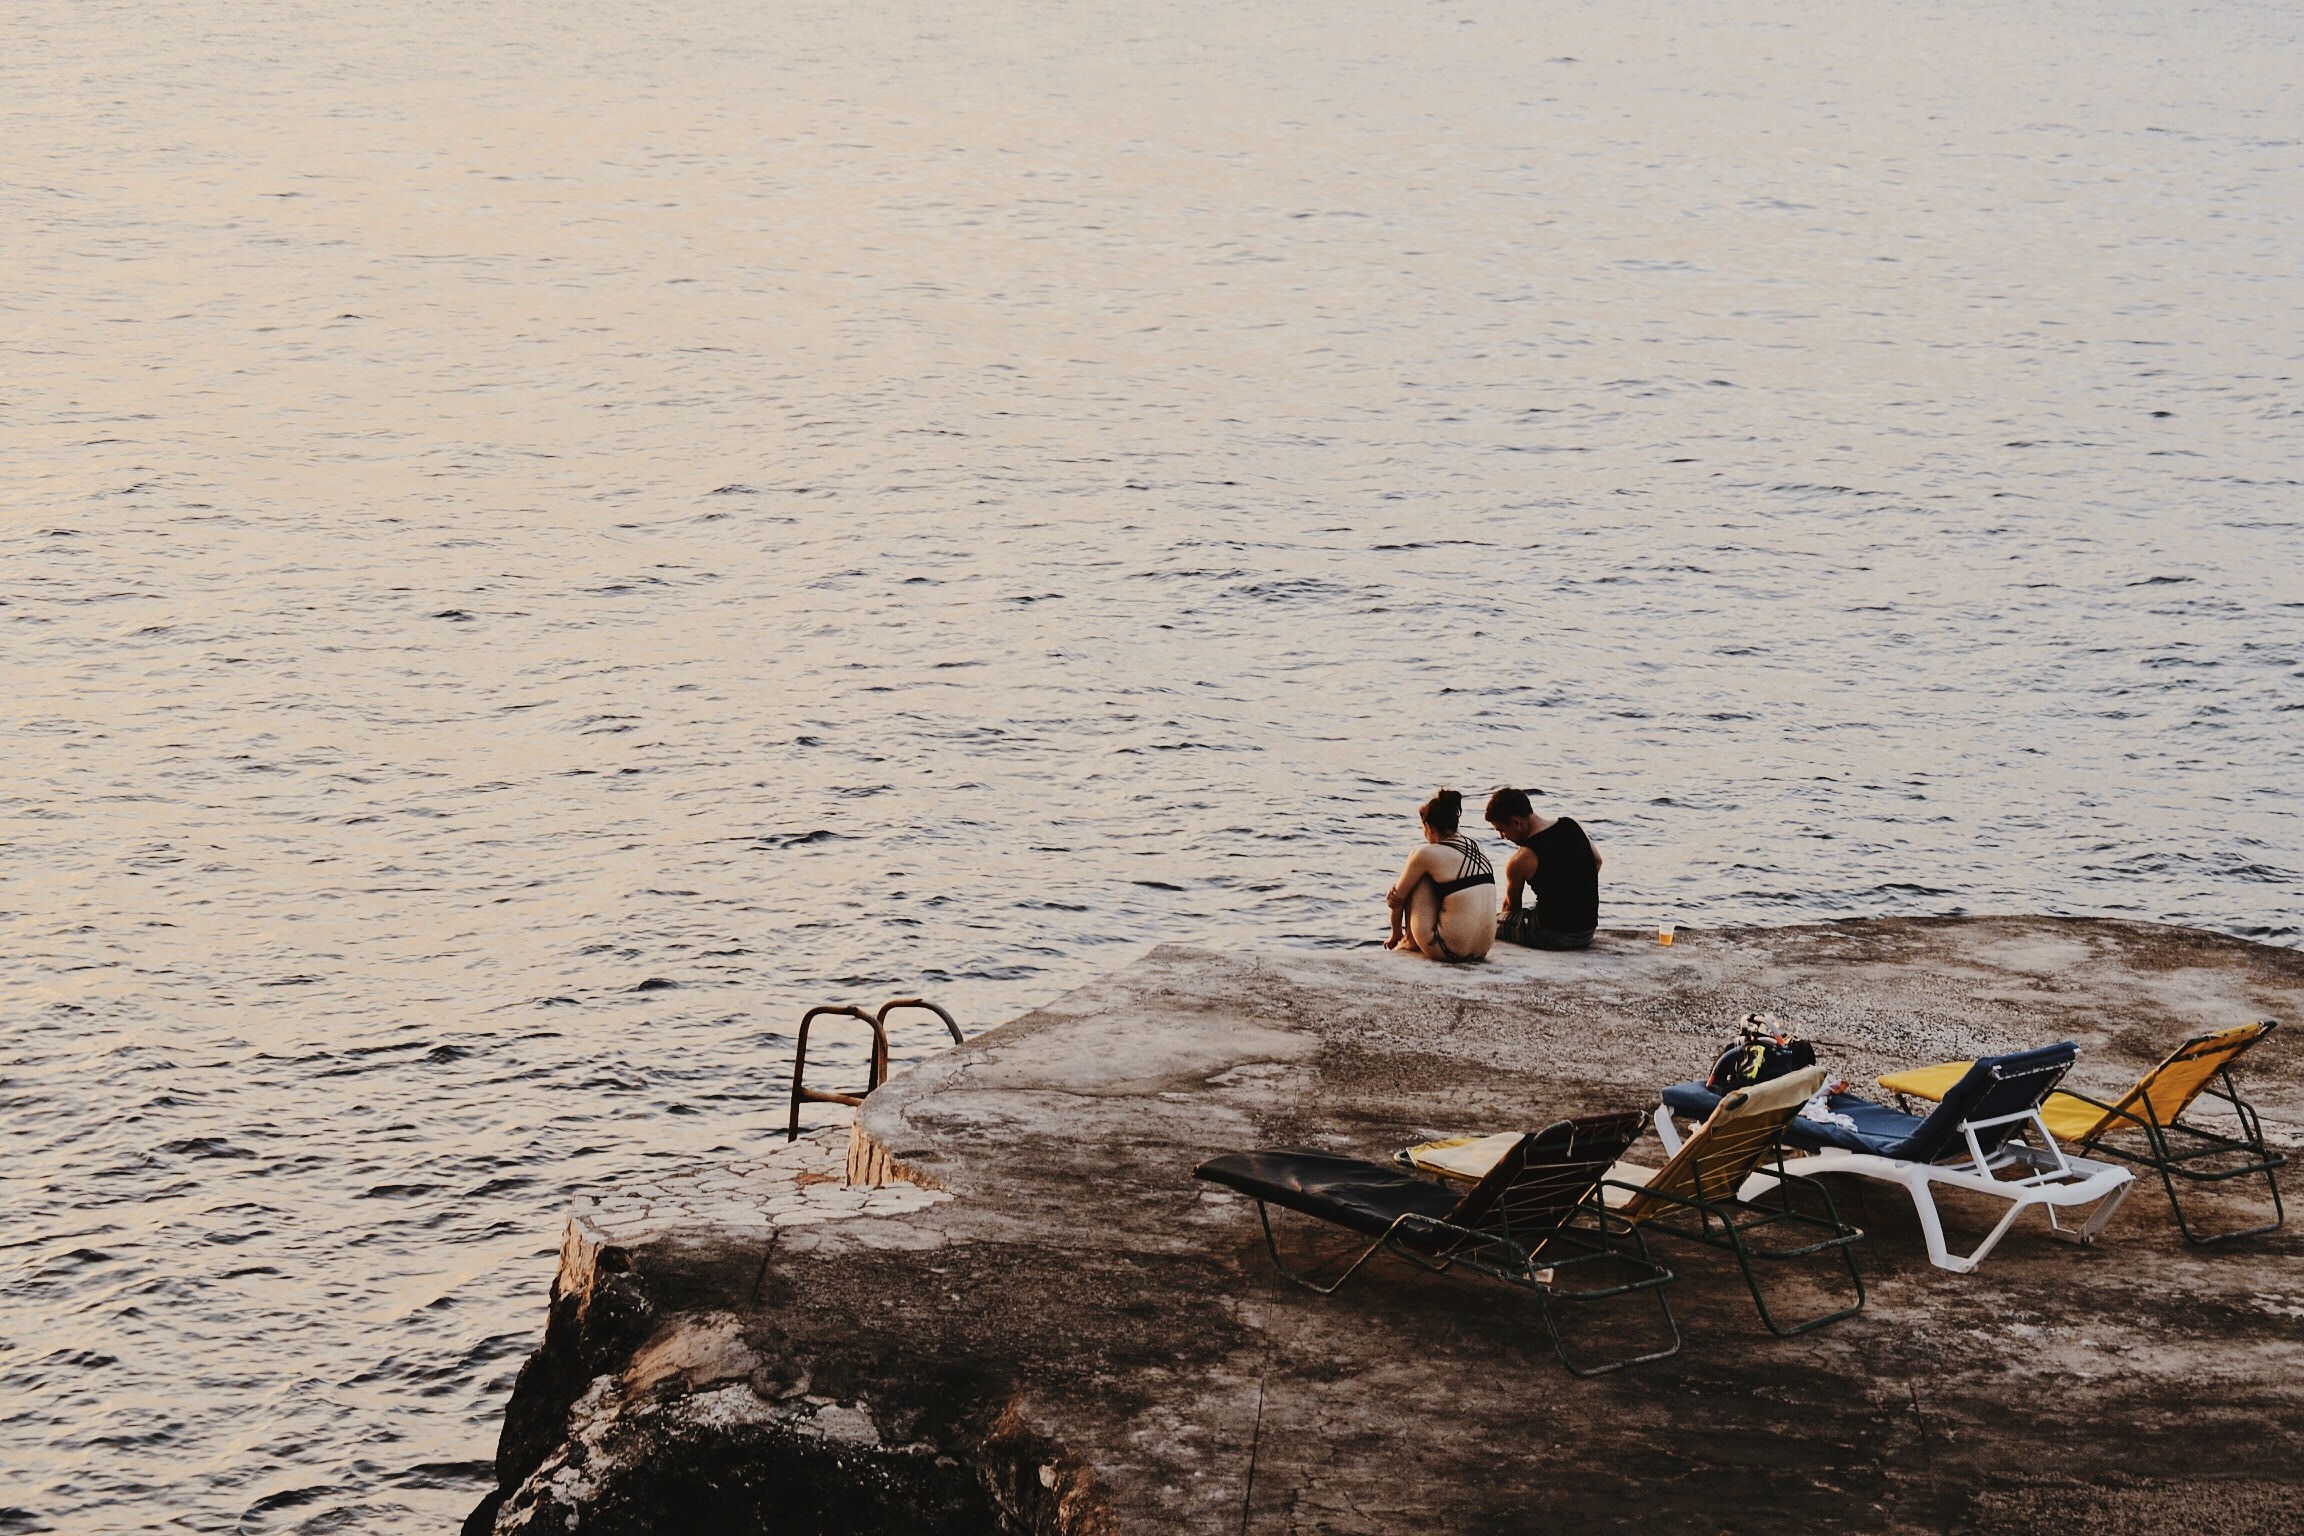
<point x="1423" y="919"/>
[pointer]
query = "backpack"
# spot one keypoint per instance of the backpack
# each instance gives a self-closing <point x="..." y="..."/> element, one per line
<point x="1762" y="1051"/>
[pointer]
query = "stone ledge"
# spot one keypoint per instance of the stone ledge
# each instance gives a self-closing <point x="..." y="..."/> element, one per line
<point x="1069" y="1335"/>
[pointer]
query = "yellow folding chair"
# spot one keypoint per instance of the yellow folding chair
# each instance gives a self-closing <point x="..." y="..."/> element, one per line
<point x="2154" y="1109"/>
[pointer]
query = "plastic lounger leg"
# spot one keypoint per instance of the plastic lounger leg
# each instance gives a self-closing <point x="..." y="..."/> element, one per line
<point x="2104" y="1213"/>
<point x="2105" y="1210"/>
<point x="1940" y="1252"/>
<point x="1991" y="1241"/>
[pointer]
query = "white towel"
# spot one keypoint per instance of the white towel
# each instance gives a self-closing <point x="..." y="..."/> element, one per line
<point x="1819" y="1109"/>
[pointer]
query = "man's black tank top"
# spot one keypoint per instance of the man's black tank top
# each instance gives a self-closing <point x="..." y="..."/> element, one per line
<point x="1567" y="883"/>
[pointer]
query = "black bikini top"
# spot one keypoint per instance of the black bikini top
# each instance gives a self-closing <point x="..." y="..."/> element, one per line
<point x="1474" y="872"/>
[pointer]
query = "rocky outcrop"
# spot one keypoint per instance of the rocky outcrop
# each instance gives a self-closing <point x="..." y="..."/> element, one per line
<point x="1001" y="1304"/>
<point x="631" y="1419"/>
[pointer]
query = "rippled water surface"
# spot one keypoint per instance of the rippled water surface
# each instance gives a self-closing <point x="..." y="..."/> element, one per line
<point x="541" y="541"/>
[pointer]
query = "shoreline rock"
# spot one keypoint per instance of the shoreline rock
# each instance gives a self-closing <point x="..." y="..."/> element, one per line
<point x="1001" y="1303"/>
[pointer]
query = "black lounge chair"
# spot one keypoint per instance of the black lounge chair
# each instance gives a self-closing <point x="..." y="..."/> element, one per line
<point x="1534" y="1220"/>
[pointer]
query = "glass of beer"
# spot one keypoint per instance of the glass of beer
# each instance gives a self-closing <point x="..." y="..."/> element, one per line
<point x="1664" y="933"/>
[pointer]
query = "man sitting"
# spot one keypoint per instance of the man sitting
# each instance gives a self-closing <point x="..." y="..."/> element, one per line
<point x="1559" y="863"/>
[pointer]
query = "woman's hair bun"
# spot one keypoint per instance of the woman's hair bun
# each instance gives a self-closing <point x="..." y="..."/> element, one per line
<point x="1443" y="811"/>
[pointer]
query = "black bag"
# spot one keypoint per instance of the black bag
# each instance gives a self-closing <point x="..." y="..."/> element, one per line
<point x="1762" y="1051"/>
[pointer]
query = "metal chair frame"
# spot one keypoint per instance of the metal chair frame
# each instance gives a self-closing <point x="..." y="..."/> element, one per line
<point x="2173" y="1165"/>
<point x="1528" y="1268"/>
<point x="1734" y="1228"/>
<point x="1523" y="1223"/>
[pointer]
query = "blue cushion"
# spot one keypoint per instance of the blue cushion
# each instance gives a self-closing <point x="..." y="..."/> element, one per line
<point x="1692" y="1099"/>
<point x="1994" y="1086"/>
<point x="1878" y="1127"/>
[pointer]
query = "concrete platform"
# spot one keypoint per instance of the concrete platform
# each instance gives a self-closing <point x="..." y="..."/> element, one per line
<point x="1007" y="1306"/>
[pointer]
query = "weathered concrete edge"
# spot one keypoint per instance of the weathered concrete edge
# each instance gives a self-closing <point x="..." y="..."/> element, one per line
<point x="887" y="1144"/>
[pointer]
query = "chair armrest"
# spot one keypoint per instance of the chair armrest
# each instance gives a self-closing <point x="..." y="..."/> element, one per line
<point x="1666" y="1131"/>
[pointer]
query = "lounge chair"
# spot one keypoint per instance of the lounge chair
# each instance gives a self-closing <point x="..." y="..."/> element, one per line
<point x="1710" y="1179"/>
<point x="1534" y="1220"/>
<point x="1707" y="1180"/>
<point x="2154" y="1109"/>
<point x="1974" y="1136"/>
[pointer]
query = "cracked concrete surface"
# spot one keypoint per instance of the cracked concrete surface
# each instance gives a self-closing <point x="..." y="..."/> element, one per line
<point x="1068" y="1334"/>
<point x="794" y="1185"/>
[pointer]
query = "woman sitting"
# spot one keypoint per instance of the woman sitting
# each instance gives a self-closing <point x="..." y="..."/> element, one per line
<point x="1444" y="905"/>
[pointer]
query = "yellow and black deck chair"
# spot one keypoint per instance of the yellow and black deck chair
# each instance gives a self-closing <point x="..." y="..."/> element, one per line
<point x="2152" y="1113"/>
<point x="1722" y="1185"/>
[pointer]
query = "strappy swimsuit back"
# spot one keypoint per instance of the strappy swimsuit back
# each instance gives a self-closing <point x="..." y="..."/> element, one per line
<point x="1475" y="870"/>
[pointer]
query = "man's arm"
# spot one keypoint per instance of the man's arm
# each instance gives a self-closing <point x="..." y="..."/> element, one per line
<point x="1518" y="871"/>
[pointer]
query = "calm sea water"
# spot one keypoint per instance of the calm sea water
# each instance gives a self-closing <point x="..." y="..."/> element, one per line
<point x="541" y="542"/>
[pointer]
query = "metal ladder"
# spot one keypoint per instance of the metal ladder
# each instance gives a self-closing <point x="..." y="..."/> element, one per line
<point x="878" y="1023"/>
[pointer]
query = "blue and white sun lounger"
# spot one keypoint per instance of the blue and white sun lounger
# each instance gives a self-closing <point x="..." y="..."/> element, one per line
<point x="1978" y="1140"/>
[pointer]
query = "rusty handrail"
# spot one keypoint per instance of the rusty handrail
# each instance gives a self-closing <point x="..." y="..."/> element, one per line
<point x="878" y="1023"/>
<point x="919" y="1002"/>
<point x="801" y="1094"/>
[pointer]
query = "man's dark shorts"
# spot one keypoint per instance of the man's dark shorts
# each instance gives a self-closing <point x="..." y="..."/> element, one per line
<point x="1525" y="931"/>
